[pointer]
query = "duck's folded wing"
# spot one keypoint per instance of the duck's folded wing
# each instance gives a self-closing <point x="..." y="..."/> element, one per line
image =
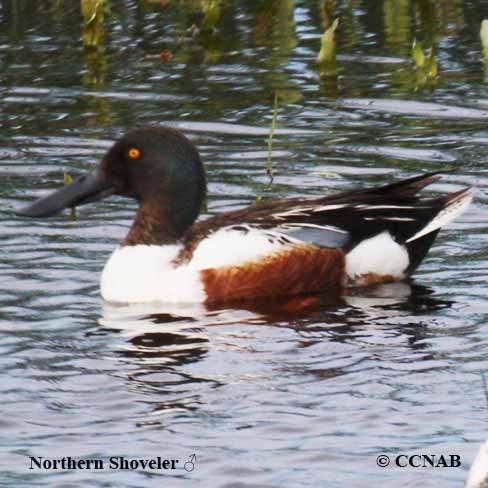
<point x="386" y="230"/>
<point x="345" y="225"/>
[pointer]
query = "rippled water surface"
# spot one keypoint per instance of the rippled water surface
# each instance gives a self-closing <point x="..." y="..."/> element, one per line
<point x="262" y="396"/>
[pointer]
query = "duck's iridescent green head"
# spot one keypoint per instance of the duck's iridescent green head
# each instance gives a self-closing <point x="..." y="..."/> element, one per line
<point x="157" y="166"/>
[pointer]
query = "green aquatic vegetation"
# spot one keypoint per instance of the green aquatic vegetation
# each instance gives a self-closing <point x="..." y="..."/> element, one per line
<point x="212" y="10"/>
<point x="327" y="8"/>
<point x="93" y="15"/>
<point x="418" y="55"/>
<point x="326" y="58"/>
<point x="397" y="23"/>
<point x="272" y="129"/>
<point x="327" y="53"/>
<point x="67" y="180"/>
<point x="329" y="174"/>
<point x="274" y="27"/>
<point x="93" y="12"/>
<point x="269" y="165"/>
<point x="484" y="38"/>
<point x="484" y="45"/>
<point x="425" y="63"/>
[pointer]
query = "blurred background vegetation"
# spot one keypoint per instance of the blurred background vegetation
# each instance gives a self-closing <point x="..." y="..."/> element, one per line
<point x="297" y="49"/>
<point x="206" y="31"/>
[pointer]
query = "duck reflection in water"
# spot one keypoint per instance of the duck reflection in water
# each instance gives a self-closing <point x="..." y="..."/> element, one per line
<point x="163" y="342"/>
<point x="155" y="328"/>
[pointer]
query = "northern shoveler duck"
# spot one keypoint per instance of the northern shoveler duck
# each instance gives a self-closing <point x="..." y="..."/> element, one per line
<point x="270" y="249"/>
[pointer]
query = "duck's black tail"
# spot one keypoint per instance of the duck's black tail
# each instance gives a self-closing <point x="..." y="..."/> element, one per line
<point x="411" y="186"/>
<point x="451" y="206"/>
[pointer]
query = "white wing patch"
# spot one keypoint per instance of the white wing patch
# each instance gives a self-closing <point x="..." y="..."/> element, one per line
<point x="446" y="215"/>
<point x="311" y="226"/>
<point x="295" y="212"/>
<point x="230" y="246"/>
<point x="391" y="219"/>
<point x="384" y="207"/>
<point x="306" y="211"/>
<point x="380" y="255"/>
<point x="327" y="208"/>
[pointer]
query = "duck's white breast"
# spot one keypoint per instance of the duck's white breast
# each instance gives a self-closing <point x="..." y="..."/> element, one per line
<point x="146" y="274"/>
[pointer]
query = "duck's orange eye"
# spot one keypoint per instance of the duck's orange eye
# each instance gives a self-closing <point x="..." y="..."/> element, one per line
<point x="134" y="153"/>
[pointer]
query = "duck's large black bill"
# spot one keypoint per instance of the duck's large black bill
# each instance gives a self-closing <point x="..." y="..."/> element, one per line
<point x="84" y="189"/>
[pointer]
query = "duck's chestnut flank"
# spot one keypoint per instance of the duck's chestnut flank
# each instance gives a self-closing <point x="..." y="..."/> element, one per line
<point x="296" y="270"/>
<point x="271" y="249"/>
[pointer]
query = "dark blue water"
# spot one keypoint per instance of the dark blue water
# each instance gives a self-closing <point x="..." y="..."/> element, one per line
<point x="261" y="397"/>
